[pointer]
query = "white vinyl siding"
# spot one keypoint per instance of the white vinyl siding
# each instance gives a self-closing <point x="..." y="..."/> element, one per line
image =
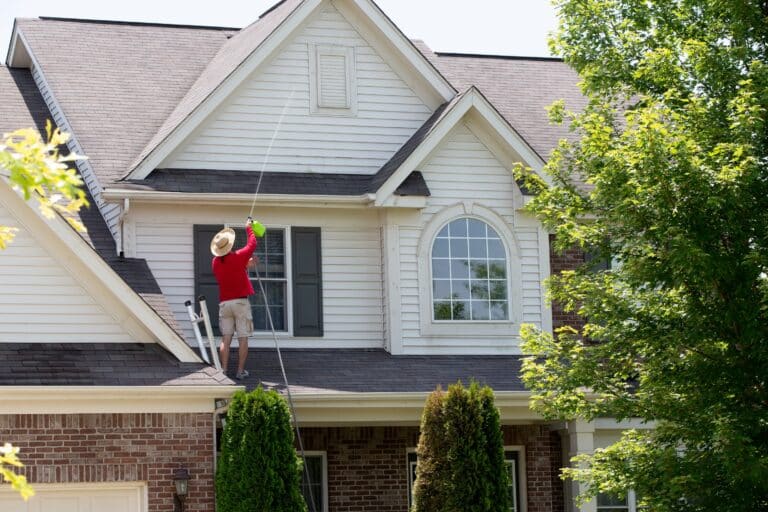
<point x="110" y="212"/>
<point x="42" y="302"/>
<point x="238" y="134"/>
<point x="351" y="273"/>
<point x="463" y="170"/>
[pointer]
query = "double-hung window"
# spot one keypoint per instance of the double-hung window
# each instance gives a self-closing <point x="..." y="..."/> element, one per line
<point x="289" y="268"/>
<point x="610" y="503"/>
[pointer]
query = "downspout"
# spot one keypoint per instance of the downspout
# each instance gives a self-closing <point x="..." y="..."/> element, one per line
<point x="121" y="223"/>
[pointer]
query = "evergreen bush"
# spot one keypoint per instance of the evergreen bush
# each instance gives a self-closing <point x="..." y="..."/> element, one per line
<point x="430" y="488"/>
<point x="461" y="454"/>
<point x="258" y="470"/>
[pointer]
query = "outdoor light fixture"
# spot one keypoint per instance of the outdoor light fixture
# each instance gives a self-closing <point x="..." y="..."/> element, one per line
<point x="181" y="482"/>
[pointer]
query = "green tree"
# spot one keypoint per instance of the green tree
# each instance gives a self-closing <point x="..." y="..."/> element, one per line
<point x="668" y="174"/>
<point x="258" y="470"/>
<point x="461" y="453"/>
<point x="430" y="488"/>
<point x="35" y="167"/>
<point x="9" y="459"/>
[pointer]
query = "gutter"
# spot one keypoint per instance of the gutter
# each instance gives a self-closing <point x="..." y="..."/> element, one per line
<point x="112" y="399"/>
<point x="151" y="196"/>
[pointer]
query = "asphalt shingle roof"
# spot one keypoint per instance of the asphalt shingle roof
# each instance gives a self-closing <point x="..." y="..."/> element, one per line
<point x="100" y="364"/>
<point x="21" y="106"/>
<point x="214" y="181"/>
<point x="118" y="82"/>
<point x="229" y="57"/>
<point x="376" y="371"/>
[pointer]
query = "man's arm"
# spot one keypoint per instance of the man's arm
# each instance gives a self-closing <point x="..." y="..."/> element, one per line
<point x="246" y="252"/>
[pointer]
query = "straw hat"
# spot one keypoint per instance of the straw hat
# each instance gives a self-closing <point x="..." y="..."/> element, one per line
<point x="223" y="241"/>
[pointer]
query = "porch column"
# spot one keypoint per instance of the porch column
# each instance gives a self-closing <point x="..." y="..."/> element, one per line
<point x="581" y="436"/>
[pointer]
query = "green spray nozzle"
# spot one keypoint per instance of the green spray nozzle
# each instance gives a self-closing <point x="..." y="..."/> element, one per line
<point x="258" y="228"/>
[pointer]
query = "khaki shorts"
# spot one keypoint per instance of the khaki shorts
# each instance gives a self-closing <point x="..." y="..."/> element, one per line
<point x="235" y="316"/>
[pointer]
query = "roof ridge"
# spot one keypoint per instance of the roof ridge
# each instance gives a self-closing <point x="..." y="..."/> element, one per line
<point x="500" y="57"/>
<point x="137" y="23"/>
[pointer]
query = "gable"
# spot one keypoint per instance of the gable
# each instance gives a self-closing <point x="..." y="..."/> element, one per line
<point x="317" y="134"/>
<point x="43" y="302"/>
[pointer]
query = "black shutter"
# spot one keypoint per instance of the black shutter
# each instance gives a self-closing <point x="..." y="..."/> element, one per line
<point x="307" y="282"/>
<point x="205" y="281"/>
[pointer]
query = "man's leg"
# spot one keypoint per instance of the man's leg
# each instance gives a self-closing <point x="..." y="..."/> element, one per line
<point x="242" y="353"/>
<point x="226" y="341"/>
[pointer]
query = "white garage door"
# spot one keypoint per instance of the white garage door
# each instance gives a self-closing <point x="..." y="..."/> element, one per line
<point x="77" y="498"/>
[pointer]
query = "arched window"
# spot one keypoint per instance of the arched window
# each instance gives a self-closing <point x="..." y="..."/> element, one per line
<point x="469" y="273"/>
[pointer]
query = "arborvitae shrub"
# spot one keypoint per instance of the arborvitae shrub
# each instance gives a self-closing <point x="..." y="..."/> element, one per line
<point x="259" y="470"/>
<point x="461" y="454"/>
<point x="430" y="488"/>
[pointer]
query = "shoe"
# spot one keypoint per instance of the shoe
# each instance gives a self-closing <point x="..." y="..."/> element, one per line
<point x="242" y="375"/>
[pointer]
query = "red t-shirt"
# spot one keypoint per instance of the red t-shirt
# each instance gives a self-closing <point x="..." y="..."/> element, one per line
<point x="231" y="271"/>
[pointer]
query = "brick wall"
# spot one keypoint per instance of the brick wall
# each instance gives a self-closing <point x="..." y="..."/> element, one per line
<point x="367" y="468"/>
<point x="543" y="456"/>
<point x="79" y="448"/>
<point x="568" y="260"/>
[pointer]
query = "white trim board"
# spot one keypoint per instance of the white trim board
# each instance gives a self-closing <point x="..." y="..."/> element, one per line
<point x="95" y="275"/>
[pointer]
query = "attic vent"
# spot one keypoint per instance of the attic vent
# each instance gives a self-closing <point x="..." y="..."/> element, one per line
<point x="332" y="80"/>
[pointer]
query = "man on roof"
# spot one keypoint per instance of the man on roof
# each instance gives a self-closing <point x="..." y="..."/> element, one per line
<point x="231" y="271"/>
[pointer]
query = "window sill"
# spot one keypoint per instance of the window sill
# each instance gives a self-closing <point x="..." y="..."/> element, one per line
<point x="483" y="328"/>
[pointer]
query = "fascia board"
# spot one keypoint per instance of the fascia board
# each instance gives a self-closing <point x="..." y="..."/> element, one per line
<point x="118" y="194"/>
<point x="224" y="89"/>
<point x="393" y="408"/>
<point x="59" y="230"/>
<point x="111" y="399"/>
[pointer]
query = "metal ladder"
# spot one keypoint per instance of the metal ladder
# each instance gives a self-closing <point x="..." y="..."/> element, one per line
<point x="205" y="319"/>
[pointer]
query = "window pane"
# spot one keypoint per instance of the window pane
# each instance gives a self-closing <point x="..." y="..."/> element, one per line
<point x="442" y="310"/>
<point x="492" y="233"/>
<point x="499" y="311"/>
<point x="496" y="249"/>
<point x="498" y="290"/>
<point x="440" y="248"/>
<point x="461" y="310"/>
<point x="443" y="233"/>
<point x="459" y="269"/>
<point x="441" y="268"/>
<point x="276" y="298"/>
<point x="480" y="289"/>
<point x="314" y="466"/>
<point x="458" y="228"/>
<point x="460" y="290"/>
<point x="479" y="269"/>
<point x="459" y="248"/>
<point x="271" y="254"/>
<point x="476" y="228"/>
<point x="511" y="460"/>
<point x="480" y="310"/>
<point x="441" y="289"/>
<point x="607" y="500"/>
<point x="478" y="248"/>
<point x="497" y="269"/>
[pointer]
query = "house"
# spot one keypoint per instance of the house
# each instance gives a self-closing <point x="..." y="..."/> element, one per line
<point x="397" y="257"/>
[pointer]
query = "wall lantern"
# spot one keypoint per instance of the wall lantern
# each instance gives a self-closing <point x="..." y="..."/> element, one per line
<point x="181" y="482"/>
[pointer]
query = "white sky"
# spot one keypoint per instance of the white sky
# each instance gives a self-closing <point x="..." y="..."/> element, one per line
<point x="500" y="27"/>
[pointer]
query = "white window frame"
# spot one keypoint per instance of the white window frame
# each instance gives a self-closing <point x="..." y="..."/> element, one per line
<point x="631" y="504"/>
<point x="408" y="452"/>
<point x="288" y="333"/>
<point x="468" y="328"/>
<point x="522" y="483"/>
<point x="316" y="50"/>
<point x="324" y="455"/>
